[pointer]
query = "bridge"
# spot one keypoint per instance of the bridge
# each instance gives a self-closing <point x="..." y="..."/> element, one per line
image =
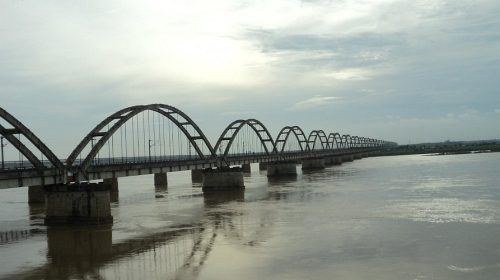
<point x="159" y="138"/>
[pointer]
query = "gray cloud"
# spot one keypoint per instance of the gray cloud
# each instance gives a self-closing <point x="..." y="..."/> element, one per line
<point x="65" y="66"/>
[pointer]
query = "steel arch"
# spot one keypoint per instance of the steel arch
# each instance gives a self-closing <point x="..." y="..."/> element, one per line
<point x="335" y="137"/>
<point x="283" y="135"/>
<point x="311" y="140"/>
<point x="20" y="128"/>
<point x="355" y="141"/>
<point x="123" y="116"/>
<point x="362" y="142"/>
<point x="347" y="140"/>
<point x="229" y="134"/>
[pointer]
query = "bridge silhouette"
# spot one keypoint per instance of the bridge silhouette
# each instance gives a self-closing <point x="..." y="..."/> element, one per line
<point x="146" y="139"/>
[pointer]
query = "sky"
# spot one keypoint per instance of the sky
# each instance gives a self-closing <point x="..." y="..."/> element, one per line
<point x="403" y="71"/>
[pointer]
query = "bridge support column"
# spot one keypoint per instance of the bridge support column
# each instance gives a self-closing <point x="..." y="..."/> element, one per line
<point x="333" y="160"/>
<point x="313" y="164"/>
<point x="36" y="194"/>
<point x="263" y="165"/>
<point x="226" y="179"/>
<point x="358" y="156"/>
<point x="161" y="180"/>
<point x="78" y="204"/>
<point x="112" y="183"/>
<point x="245" y="167"/>
<point x="347" y="158"/>
<point x="281" y="169"/>
<point x="196" y="175"/>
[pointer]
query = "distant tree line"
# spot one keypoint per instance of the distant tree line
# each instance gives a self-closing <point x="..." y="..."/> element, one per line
<point x="447" y="147"/>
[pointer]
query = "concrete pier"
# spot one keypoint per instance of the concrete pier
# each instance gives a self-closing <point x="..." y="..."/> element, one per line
<point x="281" y="169"/>
<point x="347" y="158"/>
<point x="263" y="165"/>
<point x="313" y="164"/>
<point x="226" y="179"/>
<point x="78" y="204"/>
<point x="196" y="175"/>
<point x="246" y="168"/>
<point x="112" y="183"/>
<point x="358" y="156"/>
<point x="333" y="160"/>
<point x="36" y="194"/>
<point x="161" y="180"/>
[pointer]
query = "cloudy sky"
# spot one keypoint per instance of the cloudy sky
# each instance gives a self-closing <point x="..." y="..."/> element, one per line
<point x="404" y="71"/>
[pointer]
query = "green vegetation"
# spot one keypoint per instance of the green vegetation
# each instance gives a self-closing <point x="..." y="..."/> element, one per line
<point x="448" y="147"/>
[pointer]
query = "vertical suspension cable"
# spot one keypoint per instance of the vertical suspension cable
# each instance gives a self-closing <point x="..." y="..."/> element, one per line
<point x="170" y="138"/>
<point x="113" y="147"/>
<point x="144" y="135"/>
<point x="138" y="134"/>
<point x="121" y="144"/>
<point x="20" y="154"/>
<point x="163" y="137"/>
<point x="149" y="140"/>
<point x="109" y="149"/>
<point x="159" y="133"/>
<point x="126" y="144"/>
<point x="133" y="140"/>
<point x="179" y="137"/>
<point x="154" y="136"/>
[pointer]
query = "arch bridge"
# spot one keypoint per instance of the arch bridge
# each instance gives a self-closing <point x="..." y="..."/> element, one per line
<point x="146" y="139"/>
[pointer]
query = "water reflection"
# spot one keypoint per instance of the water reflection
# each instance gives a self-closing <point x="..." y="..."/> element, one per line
<point x="212" y="199"/>
<point x="283" y="180"/>
<point x="178" y="252"/>
<point x="36" y="213"/>
<point x="389" y="221"/>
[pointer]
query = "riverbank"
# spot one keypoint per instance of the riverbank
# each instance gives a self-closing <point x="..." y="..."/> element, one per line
<point x="437" y="149"/>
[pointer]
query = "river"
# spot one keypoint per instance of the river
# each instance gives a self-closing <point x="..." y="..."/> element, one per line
<point x="400" y="217"/>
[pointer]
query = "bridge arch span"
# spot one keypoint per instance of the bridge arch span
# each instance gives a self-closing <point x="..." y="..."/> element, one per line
<point x="313" y="136"/>
<point x="20" y="129"/>
<point x="109" y="126"/>
<point x="347" y="141"/>
<point x="229" y="134"/>
<point x="335" y="138"/>
<point x="285" y="132"/>
<point x="355" y="142"/>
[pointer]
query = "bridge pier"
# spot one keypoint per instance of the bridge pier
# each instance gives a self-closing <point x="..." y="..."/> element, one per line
<point x="263" y="165"/>
<point x="197" y="175"/>
<point x="333" y="160"/>
<point x="245" y="167"/>
<point x="313" y="164"/>
<point x="346" y="158"/>
<point x="36" y="194"/>
<point x="358" y="156"/>
<point x="112" y="184"/>
<point x="281" y="169"/>
<point x="161" y="181"/>
<point x="225" y="179"/>
<point x="78" y="204"/>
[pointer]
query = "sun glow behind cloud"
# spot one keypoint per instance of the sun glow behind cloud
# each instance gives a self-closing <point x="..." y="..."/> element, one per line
<point x="358" y="59"/>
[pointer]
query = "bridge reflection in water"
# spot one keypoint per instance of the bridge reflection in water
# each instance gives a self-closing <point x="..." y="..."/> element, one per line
<point x="88" y="252"/>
